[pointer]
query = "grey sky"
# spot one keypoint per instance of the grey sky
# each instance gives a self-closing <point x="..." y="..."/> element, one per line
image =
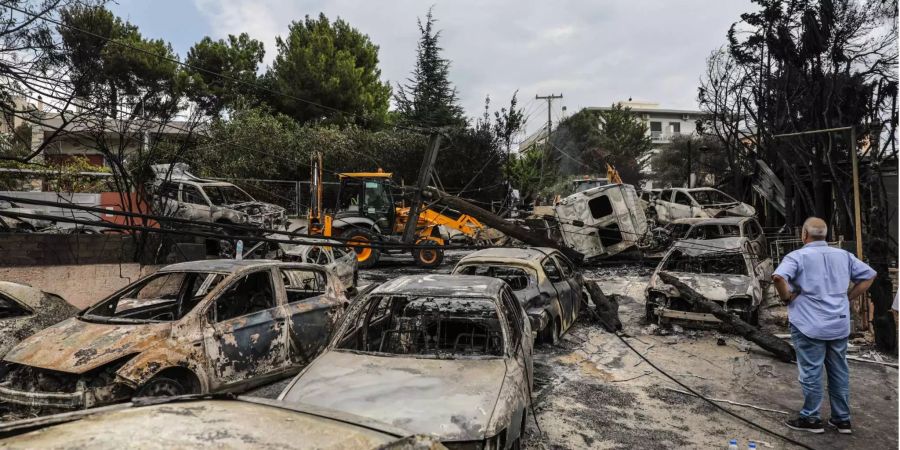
<point x="593" y="52"/>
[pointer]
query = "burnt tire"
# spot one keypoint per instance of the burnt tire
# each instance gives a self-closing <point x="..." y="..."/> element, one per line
<point x="366" y="257"/>
<point x="429" y="256"/>
<point x="550" y="334"/>
<point x="650" y="312"/>
<point x="163" y="386"/>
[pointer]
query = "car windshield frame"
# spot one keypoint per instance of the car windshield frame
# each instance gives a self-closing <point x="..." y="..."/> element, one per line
<point x="529" y="271"/>
<point x="706" y="258"/>
<point x="219" y="197"/>
<point x="703" y="197"/>
<point x="367" y="308"/>
<point x="210" y="281"/>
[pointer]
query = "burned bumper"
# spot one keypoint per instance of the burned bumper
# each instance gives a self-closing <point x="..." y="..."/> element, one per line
<point x="62" y="400"/>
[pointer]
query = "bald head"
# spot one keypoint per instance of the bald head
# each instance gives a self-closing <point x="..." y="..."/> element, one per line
<point x="814" y="229"/>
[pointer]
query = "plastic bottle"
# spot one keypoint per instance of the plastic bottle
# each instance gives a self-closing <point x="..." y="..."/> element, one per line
<point x="239" y="250"/>
<point x="752" y="445"/>
<point x="732" y="444"/>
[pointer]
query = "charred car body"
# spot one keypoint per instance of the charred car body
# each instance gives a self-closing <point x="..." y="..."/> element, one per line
<point x="331" y="254"/>
<point x="177" y="193"/>
<point x="209" y="423"/>
<point x="443" y="355"/>
<point x="725" y="271"/>
<point x="25" y="310"/>
<point x="197" y="327"/>
<point x="682" y="203"/>
<point x="544" y="281"/>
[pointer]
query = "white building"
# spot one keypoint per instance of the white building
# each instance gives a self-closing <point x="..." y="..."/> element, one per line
<point x="662" y="124"/>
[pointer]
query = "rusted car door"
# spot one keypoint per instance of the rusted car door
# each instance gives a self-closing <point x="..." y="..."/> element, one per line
<point x="567" y="299"/>
<point x="310" y="311"/>
<point x="193" y="204"/>
<point x="245" y="335"/>
<point x="573" y="277"/>
<point x="682" y="206"/>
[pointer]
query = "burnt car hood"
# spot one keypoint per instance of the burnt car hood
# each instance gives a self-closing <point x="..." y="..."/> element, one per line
<point x="264" y="208"/>
<point x="450" y="399"/>
<point x="715" y="287"/>
<point x="77" y="346"/>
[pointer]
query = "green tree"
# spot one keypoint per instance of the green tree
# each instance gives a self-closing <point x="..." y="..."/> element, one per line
<point x="116" y="66"/>
<point x="237" y="58"/>
<point x="333" y="68"/>
<point x="598" y="137"/>
<point x="429" y="99"/>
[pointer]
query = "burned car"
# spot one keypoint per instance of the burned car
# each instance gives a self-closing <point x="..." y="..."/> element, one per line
<point x="544" y="281"/>
<point x="195" y="327"/>
<point x="724" y="271"/>
<point x="448" y="356"/>
<point x="331" y="254"/>
<point x="180" y="422"/>
<point x="725" y="227"/>
<point x="681" y="203"/>
<point x="178" y="193"/>
<point x="25" y="310"/>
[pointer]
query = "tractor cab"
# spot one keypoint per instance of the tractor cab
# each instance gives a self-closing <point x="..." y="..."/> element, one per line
<point x="367" y="194"/>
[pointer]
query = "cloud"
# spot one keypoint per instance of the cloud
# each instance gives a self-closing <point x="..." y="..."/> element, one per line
<point x="595" y="53"/>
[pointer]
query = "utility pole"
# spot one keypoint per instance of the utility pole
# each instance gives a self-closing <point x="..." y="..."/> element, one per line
<point x="549" y="99"/>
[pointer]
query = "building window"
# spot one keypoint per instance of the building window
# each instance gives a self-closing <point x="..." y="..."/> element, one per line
<point x="655" y="130"/>
<point x="676" y="127"/>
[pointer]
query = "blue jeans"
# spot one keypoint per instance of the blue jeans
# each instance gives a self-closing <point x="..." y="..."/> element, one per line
<point x="812" y="356"/>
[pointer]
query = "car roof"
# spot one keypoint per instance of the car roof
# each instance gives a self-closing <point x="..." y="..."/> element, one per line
<point x="524" y="253"/>
<point x="220" y="265"/>
<point x="440" y="285"/>
<point x="23" y="293"/>
<point x="728" y="220"/>
<point x="689" y="220"/>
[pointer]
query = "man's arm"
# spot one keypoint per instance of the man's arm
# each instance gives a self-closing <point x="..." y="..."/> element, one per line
<point x="860" y="288"/>
<point x="783" y="289"/>
<point x="785" y="271"/>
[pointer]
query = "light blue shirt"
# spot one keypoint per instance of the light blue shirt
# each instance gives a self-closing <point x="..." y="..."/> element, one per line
<point x="821" y="275"/>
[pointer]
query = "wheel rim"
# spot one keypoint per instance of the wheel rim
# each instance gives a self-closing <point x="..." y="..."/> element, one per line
<point x="163" y="388"/>
<point x="362" y="253"/>
<point x="428" y="256"/>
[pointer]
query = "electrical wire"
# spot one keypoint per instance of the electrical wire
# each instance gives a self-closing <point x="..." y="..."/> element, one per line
<point x="707" y="400"/>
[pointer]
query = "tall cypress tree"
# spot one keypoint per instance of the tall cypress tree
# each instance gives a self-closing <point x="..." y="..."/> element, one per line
<point x="429" y="99"/>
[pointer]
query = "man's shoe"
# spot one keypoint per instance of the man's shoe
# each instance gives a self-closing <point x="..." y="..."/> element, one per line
<point x="842" y="426"/>
<point x="805" y="424"/>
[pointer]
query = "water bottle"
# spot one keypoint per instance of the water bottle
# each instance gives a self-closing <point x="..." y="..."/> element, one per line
<point x="752" y="445"/>
<point x="732" y="444"/>
<point x="239" y="252"/>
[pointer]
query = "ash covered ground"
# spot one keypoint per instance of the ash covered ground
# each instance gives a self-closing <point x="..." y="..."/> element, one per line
<point x="591" y="391"/>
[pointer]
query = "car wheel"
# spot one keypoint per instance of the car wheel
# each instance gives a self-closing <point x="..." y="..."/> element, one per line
<point x="162" y="387"/>
<point x="650" y="312"/>
<point x="366" y="257"/>
<point x="550" y="333"/>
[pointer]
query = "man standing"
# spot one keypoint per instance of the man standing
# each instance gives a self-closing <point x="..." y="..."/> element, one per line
<point x="813" y="281"/>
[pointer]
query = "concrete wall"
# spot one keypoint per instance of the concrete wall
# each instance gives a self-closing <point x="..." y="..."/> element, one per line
<point x="80" y="285"/>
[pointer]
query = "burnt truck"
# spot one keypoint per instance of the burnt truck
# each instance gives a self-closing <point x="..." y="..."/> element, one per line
<point x="178" y="193"/>
<point x="599" y="222"/>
